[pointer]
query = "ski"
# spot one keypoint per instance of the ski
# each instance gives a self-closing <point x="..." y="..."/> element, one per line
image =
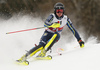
<point x="49" y="57"/>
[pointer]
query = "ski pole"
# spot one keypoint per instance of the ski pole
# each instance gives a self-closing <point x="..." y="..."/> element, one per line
<point x="25" y="30"/>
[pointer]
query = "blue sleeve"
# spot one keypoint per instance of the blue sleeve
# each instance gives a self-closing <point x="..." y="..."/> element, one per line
<point x="48" y="20"/>
<point x="74" y="31"/>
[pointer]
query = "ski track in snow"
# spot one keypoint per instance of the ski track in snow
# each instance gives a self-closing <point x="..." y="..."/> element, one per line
<point x="13" y="46"/>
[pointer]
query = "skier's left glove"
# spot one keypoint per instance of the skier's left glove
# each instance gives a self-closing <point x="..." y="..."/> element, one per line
<point x="81" y="43"/>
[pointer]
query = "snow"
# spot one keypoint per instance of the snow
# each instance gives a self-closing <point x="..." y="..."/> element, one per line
<point x="13" y="46"/>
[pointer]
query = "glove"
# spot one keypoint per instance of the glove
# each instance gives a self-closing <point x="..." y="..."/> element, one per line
<point x="55" y="25"/>
<point x="81" y="43"/>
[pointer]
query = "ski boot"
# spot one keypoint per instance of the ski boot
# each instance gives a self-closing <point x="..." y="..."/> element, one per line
<point x="22" y="61"/>
<point x="42" y="53"/>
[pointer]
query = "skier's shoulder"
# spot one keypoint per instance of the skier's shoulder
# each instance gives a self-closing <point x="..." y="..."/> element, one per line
<point x="65" y="17"/>
<point x="51" y="15"/>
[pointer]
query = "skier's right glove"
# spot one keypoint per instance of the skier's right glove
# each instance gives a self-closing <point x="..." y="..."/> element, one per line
<point x="81" y="43"/>
<point x="55" y="25"/>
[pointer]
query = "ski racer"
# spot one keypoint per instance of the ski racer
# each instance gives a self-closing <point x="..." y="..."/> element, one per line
<point x="54" y="23"/>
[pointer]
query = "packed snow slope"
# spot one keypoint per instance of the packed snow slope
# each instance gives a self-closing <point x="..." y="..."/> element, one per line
<point x="13" y="46"/>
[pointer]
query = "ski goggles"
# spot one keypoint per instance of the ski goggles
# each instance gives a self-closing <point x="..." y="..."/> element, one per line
<point x="59" y="11"/>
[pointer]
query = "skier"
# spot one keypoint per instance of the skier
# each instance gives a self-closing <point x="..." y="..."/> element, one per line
<point x="54" y="23"/>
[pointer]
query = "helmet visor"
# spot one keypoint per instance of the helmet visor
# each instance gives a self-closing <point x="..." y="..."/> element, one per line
<point x="59" y="11"/>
